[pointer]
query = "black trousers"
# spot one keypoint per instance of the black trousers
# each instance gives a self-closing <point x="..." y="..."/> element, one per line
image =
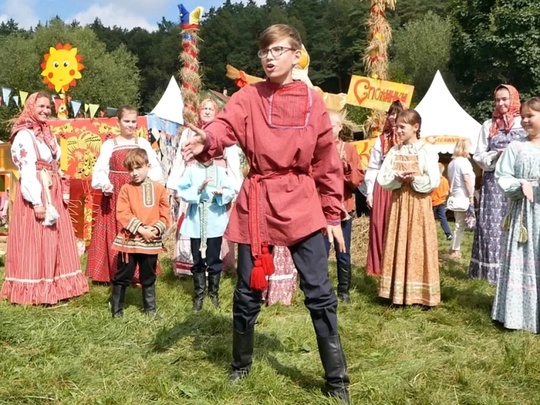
<point x="361" y="204"/>
<point x="212" y="262"/>
<point x="126" y="269"/>
<point x="309" y="257"/>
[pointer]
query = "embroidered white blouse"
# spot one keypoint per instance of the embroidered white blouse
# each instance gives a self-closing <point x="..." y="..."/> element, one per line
<point x="23" y="154"/>
<point x="100" y="175"/>
<point x="428" y="159"/>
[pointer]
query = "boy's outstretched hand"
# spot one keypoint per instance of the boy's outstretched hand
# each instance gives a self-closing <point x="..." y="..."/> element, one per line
<point x="335" y="234"/>
<point x="194" y="146"/>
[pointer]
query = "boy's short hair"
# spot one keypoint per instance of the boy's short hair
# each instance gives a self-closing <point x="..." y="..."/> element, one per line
<point x="136" y="158"/>
<point x="279" y="31"/>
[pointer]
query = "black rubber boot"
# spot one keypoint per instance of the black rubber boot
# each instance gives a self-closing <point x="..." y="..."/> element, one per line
<point x="335" y="368"/>
<point x="149" y="300"/>
<point x="117" y="300"/>
<point x="344" y="282"/>
<point x="199" y="285"/>
<point x="213" y="287"/>
<point x="242" y="354"/>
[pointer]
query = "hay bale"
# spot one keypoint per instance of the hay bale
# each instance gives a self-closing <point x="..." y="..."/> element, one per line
<point x="359" y="242"/>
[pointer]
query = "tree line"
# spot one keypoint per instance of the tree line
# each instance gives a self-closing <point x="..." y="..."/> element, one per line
<point x="475" y="44"/>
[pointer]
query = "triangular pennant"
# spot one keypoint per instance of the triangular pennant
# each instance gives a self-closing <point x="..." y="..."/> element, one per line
<point x="93" y="109"/>
<point x="6" y="93"/>
<point x="76" y="106"/>
<point x="57" y="103"/>
<point x="24" y="96"/>
<point x="16" y="99"/>
<point x="86" y="106"/>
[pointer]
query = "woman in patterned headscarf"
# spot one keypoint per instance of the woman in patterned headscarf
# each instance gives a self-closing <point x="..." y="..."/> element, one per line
<point x="495" y="135"/>
<point x="42" y="265"/>
<point x="377" y="197"/>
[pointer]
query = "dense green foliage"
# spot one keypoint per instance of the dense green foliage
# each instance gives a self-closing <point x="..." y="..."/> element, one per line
<point x="494" y="42"/>
<point x="476" y="44"/>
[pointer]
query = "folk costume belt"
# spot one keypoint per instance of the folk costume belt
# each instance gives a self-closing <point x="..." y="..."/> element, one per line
<point x="263" y="261"/>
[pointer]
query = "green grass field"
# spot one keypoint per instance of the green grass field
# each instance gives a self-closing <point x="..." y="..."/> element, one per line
<point x="75" y="353"/>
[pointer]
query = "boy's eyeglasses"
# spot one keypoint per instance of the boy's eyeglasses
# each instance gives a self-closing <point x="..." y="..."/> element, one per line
<point x="276" y="51"/>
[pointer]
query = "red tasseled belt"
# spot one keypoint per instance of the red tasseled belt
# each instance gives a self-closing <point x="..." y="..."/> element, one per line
<point x="263" y="261"/>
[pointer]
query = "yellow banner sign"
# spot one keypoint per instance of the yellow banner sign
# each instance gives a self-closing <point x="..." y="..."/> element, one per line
<point x="377" y="94"/>
<point x="442" y="139"/>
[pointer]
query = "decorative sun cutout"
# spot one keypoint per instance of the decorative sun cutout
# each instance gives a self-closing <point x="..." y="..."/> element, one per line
<point x="61" y="67"/>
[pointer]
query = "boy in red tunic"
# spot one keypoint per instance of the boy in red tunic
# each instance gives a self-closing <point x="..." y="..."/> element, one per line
<point x="143" y="212"/>
<point x="284" y="130"/>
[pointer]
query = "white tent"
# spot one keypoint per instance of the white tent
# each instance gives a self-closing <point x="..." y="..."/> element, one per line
<point x="171" y="104"/>
<point x="444" y="122"/>
<point x="164" y="122"/>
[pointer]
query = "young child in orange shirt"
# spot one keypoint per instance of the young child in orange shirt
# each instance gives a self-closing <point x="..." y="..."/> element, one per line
<point x="143" y="212"/>
<point x="438" y="201"/>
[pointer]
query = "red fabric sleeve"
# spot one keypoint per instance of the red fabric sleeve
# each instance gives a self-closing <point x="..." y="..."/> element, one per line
<point x="164" y="208"/>
<point x="327" y="169"/>
<point x="353" y="174"/>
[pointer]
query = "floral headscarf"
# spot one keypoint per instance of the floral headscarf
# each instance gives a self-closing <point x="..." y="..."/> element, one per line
<point x="505" y="121"/>
<point x="29" y="120"/>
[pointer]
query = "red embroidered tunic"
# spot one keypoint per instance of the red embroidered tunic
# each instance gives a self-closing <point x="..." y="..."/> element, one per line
<point x="286" y="136"/>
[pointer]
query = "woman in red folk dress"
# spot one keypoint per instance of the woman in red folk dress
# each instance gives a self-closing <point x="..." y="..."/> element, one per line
<point x="42" y="264"/>
<point x="378" y="199"/>
<point x="108" y="176"/>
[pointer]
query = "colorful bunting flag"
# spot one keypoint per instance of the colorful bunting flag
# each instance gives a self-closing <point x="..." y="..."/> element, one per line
<point x="6" y="93"/>
<point x="93" y="109"/>
<point x="57" y="103"/>
<point x="76" y="106"/>
<point x="24" y="96"/>
<point x="16" y="99"/>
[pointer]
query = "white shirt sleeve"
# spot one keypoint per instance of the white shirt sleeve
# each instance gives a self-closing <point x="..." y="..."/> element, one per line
<point x="374" y="165"/>
<point x="484" y="158"/>
<point x="100" y="174"/>
<point x="24" y="156"/>
<point x="386" y="174"/>
<point x="505" y="174"/>
<point x="429" y="180"/>
<point x="232" y="157"/>
<point x="155" y="173"/>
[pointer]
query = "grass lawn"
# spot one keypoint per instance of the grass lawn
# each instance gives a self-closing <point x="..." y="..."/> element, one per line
<point x="74" y="353"/>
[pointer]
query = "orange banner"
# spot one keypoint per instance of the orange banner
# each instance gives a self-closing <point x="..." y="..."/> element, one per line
<point x="364" y="149"/>
<point x="80" y="141"/>
<point x="377" y="94"/>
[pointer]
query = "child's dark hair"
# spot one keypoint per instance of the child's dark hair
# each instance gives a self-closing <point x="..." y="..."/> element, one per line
<point x="124" y="109"/>
<point x="395" y="108"/>
<point x="411" y="117"/>
<point x="280" y="31"/>
<point x="533" y="104"/>
<point x="136" y="158"/>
